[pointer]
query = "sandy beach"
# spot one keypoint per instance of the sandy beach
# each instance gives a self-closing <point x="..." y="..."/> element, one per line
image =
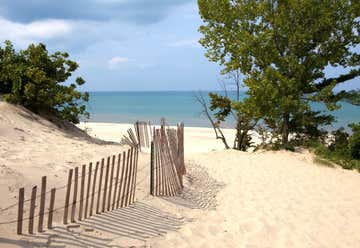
<point x="230" y="199"/>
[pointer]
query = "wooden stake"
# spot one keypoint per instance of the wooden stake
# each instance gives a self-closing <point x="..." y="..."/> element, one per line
<point x="146" y="134"/>
<point x="106" y="184"/>
<point x="42" y="204"/>
<point x="93" y="189"/>
<point x="136" y="157"/>
<point x="32" y="210"/>
<point x="88" y="191"/>
<point x="152" y="179"/>
<point x="111" y="182"/>
<point x="73" y="207"/>
<point x="128" y="189"/>
<point x="67" y="198"/>
<point x="116" y="181"/>
<point x="121" y="186"/>
<point x="99" y="190"/>
<point x="82" y="190"/>
<point x="20" y="211"/>
<point x="51" y="208"/>
<point x="126" y="179"/>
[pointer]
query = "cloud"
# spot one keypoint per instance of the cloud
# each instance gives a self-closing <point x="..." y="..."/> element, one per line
<point x="22" y="34"/>
<point x="185" y="43"/>
<point x="134" y="11"/>
<point x="115" y="61"/>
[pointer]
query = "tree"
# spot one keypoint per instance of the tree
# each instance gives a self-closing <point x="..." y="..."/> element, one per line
<point x="224" y="105"/>
<point x="216" y="125"/>
<point x="283" y="48"/>
<point x="34" y="79"/>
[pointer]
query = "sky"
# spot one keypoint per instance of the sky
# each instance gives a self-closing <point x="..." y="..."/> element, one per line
<point x="120" y="45"/>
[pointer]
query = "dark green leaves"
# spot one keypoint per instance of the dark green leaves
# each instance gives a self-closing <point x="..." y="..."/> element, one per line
<point x="33" y="78"/>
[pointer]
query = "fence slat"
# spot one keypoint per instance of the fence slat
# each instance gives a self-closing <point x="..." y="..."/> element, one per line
<point x="129" y="178"/>
<point x="137" y="131"/>
<point x="121" y="186"/>
<point x="116" y="181"/>
<point x="146" y="134"/>
<point x="136" y="159"/>
<point x="111" y="182"/>
<point x="106" y="184"/>
<point x="167" y="165"/>
<point x="82" y="190"/>
<point x="32" y="210"/>
<point x="88" y="191"/>
<point x="73" y="207"/>
<point x="157" y="165"/>
<point x="126" y="179"/>
<point x="42" y="204"/>
<point x="93" y="189"/>
<point x="51" y="208"/>
<point x="67" y="197"/>
<point x="152" y="179"/>
<point x="20" y="211"/>
<point x="99" y="190"/>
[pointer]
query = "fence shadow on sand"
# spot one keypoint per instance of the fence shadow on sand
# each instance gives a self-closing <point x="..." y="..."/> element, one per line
<point x="133" y="224"/>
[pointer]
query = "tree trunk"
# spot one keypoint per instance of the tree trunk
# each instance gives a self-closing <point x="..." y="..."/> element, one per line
<point x="285" y="129"/>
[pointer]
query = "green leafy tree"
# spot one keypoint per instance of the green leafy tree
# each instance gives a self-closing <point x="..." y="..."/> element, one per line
<point x="35" y="79"/>
<point x="283" y="48"/>
<point x="354" y="141"/>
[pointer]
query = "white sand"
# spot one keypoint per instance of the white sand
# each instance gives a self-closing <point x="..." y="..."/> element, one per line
<point x="231" y="198"/>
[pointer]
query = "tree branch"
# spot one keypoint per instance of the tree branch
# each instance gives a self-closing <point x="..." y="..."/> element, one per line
<point x="219" y="134"/>
<point x="340" y="79"/>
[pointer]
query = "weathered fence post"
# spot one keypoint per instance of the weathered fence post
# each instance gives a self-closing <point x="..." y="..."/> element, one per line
<point x="67" y="198"/>
<point x="51" y="207"/>
<point x="128" y="194"/>
<point x="126" y="179"/>
<point x="42" y="204"/>
<point x="20" y="211"/>
<point x="93" y="189"/>
<point x="106" y="184"/>
<point x="122" y="179"/>
<point x="99" y="190"/>
<point x="73" y="208"/>
<point x="32" y="210"/>
<point x="133" y="188"/>
<point x="116" y="181"/>
<point x="111" y="182"/>
<point x="88" y="191"/>
<point x="82" y="189"/>
<point x="152" y="168"/>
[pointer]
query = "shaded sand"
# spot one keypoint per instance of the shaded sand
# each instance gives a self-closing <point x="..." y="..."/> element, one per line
<point x="32" y="147"/>
<point x="230" y="199"/>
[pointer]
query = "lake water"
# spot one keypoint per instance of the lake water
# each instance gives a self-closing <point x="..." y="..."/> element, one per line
<point x="128" y="107"/>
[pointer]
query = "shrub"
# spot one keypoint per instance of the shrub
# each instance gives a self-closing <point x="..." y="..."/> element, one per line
<point x="354" y="141"/>
<point x="35" y="79"/>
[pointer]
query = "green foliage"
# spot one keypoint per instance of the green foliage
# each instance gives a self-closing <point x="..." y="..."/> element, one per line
<point x="340" y="141"/>
<point x="242" y="111"/>
<point x="322" y="161"/>
<point x="34" y="79"/>
<point x="354" y="141"/>
<point x="282" y="48"/>
<point x="220" y="103"/>
<point x="343" y="149"/>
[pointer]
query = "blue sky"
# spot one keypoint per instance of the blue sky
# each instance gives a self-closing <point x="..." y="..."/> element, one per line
<point x="121" y="45"/>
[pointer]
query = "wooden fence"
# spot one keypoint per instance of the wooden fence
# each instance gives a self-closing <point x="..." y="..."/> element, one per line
<point x="111" y="184"/>
<point x="141" y="138"/>
<point x="103" y="187"/>
<point x="167" y="161"/>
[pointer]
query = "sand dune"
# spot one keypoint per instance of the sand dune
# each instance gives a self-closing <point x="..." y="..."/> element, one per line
<point x="32" y="147"/>
<point x="231" y="198"/>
